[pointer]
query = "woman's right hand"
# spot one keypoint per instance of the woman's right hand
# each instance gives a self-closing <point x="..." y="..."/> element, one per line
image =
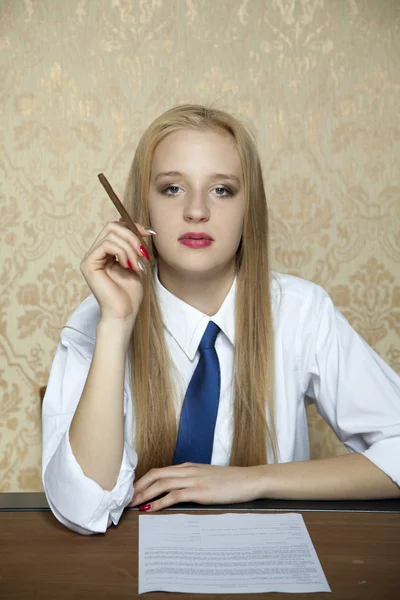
<point x="116" y="284"/>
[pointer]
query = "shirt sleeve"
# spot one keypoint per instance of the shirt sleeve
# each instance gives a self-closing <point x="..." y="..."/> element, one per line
<point x="76" y="500"/>
<point x="355" y="390"/>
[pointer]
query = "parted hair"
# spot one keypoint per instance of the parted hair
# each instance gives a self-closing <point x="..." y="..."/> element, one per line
<point x="151" y="366"/>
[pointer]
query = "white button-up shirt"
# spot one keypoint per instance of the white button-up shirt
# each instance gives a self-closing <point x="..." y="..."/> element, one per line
<point x="317" y="354"/>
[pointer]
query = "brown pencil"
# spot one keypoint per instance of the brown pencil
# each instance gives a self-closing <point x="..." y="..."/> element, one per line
<point x="120" y="208"/>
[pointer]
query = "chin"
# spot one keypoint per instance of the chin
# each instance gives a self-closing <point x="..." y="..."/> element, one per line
<point x="201" y="267"/>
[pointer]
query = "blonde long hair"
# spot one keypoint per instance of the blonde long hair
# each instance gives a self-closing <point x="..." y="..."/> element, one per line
<point x="153" y="393"/>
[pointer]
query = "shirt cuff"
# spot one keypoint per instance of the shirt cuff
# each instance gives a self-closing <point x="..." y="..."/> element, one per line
<point x="80" y="503"/>
<point x="384" y="454"/>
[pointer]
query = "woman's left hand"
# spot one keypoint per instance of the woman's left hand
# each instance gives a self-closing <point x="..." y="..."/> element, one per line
<point x="191" y="482"/>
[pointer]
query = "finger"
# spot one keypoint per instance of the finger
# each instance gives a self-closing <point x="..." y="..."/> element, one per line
<point x="174" y="497"/>
<point x="100" y="255"/>
<point x="133" y="251"/>
<point x="145" y="231"/>
<point x="153" y="489"/>
<point x="158" y="474"/>
<point x="131" y="238"/>
<point x="158" y="488"/>
<point x="122" y="231"/>
<point x="105" y="231"/>
<point x="104" y="254"/>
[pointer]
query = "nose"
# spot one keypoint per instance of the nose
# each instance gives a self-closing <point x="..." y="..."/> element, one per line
<point x="196" y="208"/>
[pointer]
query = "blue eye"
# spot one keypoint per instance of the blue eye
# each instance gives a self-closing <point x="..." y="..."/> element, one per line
<point x="225" y="191"/>
<point x="220" y="190"/>
<point x="167" y="191"/>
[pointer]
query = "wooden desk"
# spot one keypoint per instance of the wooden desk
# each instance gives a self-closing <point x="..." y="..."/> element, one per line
<point x="41" y="559"/>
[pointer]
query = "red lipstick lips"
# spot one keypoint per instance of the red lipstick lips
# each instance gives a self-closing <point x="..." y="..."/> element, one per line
<point x="196" y="240"/>
<point x="191" y="235"/>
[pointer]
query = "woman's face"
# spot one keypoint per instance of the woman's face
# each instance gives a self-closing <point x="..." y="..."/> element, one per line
<point x="196" y="191"/>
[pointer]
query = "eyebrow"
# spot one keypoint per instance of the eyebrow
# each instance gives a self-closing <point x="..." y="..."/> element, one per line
<point x="225" y="176"/>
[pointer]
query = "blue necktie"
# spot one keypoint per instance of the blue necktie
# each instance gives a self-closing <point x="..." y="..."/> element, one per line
<point x="200" y="407"/>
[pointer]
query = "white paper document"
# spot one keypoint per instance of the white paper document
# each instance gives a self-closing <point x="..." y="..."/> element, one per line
<point x="227" y="554"/>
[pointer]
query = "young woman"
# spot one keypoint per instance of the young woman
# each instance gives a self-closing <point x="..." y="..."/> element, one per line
<point x="137" y="408"/>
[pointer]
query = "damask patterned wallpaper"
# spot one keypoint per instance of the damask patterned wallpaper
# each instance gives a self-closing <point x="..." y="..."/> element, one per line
<point x="318" y="80"/>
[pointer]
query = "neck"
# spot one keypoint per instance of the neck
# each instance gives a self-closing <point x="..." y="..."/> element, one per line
<point x="206" y="292"/>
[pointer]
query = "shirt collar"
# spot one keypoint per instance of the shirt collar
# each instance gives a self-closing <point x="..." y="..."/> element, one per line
<point x="186" y="324"/>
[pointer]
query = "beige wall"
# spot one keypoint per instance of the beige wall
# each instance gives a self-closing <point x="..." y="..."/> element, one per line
<point x="81" y="79"/>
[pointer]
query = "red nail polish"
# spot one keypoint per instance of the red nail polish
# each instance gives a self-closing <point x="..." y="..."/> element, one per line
<point x="145" y="507"/>
<point x="130" y="265"/>
<point x="144" y="252"/>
